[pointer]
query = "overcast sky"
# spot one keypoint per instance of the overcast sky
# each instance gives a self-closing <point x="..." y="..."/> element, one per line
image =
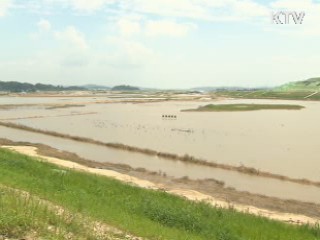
<point x="157" y="43"/>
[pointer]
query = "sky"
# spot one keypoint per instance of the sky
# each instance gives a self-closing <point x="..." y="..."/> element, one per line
<point x="158" y="43"/>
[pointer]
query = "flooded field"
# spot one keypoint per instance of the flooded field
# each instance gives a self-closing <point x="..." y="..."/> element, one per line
<point x="177" y="169"/>
<point x="275" y="141"/>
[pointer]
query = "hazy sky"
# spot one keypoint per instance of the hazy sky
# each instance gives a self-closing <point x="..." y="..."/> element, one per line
<point x="157" y="43"/>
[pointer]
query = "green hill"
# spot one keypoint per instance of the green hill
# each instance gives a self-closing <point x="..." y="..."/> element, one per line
<point x="311" y="84"/>
<point x="125" y="88"/>
<point x="28" y="87"/>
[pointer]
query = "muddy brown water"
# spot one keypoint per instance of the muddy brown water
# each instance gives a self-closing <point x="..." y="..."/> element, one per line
<point x="283" y="142"/>
<point x="46" y="100"/>
<point x="239" y="181"/>
<point x="277" y="141"/>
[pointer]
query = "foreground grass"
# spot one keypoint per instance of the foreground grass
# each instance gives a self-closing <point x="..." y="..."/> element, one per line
<point x="146" y="213"/>
<point x="243" y="107"/>
<point x="27" y="217"/>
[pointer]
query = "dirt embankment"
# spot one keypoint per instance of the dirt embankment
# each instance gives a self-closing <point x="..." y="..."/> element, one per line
<point x="184" y="158"/>
<point x="208" y="190"/>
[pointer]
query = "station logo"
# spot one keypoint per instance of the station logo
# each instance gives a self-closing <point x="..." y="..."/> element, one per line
<point x="287" y="17"/>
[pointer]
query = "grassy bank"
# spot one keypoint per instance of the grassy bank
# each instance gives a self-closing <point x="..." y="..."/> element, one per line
<point x="243" y="107"/>
<point x="27" y="217"/>
<point x="145" y="213"/>
<point x="272" y="94"/>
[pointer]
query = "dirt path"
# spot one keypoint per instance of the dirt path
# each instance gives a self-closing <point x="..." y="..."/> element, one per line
<point x="310" y="95"/>
<point x="187" y="193"/>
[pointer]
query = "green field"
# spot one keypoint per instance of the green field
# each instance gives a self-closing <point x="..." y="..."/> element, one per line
<point x="140" y="212"/>
<point x="243" y="107"/>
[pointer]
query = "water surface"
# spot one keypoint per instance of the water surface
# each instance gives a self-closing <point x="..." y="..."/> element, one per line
<point x="283" y="142"/>
<point x="178" y="169"/>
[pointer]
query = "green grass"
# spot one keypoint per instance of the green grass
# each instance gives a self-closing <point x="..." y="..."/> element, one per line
<point x="28" y="217"/>
<point x="311" y="84"/>
<point x="145" y="213"/>
<point x="243" y="107"/>
<point x="271" y="94"/>
<point x="65" y="106"/>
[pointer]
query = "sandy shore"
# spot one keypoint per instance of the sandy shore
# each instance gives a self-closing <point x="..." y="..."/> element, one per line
<point x="187" y="193"/>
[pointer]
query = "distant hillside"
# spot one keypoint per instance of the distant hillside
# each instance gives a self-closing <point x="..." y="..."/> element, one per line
<point x="311" y="84"/>
<point x="125" y="88"/>
<point x="219" y="89"/>
<point x="28" y="87"/>
<point x="95" y="87"/>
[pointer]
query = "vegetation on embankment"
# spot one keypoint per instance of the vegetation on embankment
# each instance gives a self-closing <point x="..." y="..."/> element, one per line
<point x="24" y="216"/>
<point x="270" y="94"/>
<point x="64" y="106"/>
<point x="185" y="158"/>
<point x="243" y="107"/>
<point x="146" y="213"/>
<point x="311" y="84"/>
<point x="300" y="90"/>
